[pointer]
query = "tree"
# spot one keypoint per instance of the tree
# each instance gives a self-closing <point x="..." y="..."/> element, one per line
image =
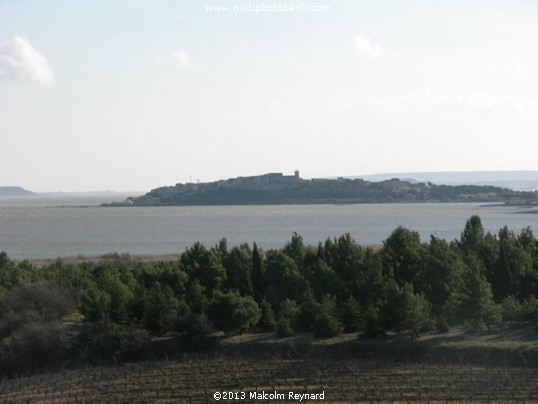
<point x="205" y="266"/>
<point x="512" y="310"/>
<point x="439" y="272"/>
<point x="238" y="265"/>
<point x="350" y="315"/>
<point x="283" y="279"/>
<point x="257" y="274"/>
<point x="231" y="312"/>
<point x="267" y="320"/>
<point x="345" y="257"/>
<point x="414" y="311"/>
<point x="295" y="250"/>
<point x="472" y="235"/>
<point x="161" y="306"/>
<point x="327" y="324"/>
<point x="322" y="279"/>
<point x="472" y="298"/>
<point x="403" y="253"/>
<point x="308" y="310"/>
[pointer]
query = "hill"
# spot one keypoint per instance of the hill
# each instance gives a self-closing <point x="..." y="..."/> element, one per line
<point x="14" y="191"/>
<point x="516" y="180"/>
<point x="276" y="188"/>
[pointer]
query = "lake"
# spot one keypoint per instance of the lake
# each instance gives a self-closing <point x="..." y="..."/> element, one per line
<point x="49" y="226"/>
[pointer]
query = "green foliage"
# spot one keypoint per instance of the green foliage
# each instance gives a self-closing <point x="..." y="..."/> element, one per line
<point x="472" y="235"/>
<point x="441" y="325"/>
<point x="160" y="307"/>
<point x="257" y="274"/>
<point x="205" y="266"/>
<point x="194" y="326"/>
<point x="238" y="265"/>
<point x="327" y="324"/>
<point x="371" y="323"/>
<point x="283" y="278"/>
<point x="295" y="250"/>
<point x="345" y="257"/>
<point x="335" y="287"/>
<point x="403" y="253"/>
<point x="413" y="313"/>
<point x="287" y="320"/>
<point x="438" y="275"/>
<point x="308" y="310"/>
<point x="350" y="315"/>
<point x="283" y="327"/>
<point x="231" y="312"/>
<point x="267" y="320"/>
<point x="512" y="310"/>
<point x="472" y="299"/>
<point x="106" y="341"/>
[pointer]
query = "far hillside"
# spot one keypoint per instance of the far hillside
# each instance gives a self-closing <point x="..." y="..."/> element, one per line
<point x="515" y="180"/>
<point x="14" y="191"/>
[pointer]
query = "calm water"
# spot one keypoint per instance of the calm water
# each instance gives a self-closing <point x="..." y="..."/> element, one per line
<point x="52" y="226"/>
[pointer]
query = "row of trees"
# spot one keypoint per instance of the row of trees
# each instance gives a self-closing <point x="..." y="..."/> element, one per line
<point x="338" y="286"/>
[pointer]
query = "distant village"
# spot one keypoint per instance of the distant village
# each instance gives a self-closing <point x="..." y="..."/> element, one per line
<point x="277" y="188"/>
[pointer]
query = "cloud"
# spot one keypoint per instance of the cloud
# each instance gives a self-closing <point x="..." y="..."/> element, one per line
<point x="365" y="47"/>
<point x="180" y="58"/>
<point x="20" y="61"/>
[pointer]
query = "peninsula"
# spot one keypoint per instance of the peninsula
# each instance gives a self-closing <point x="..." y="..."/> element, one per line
<point x="15" y="191"/>
<point x="277" y="188"/>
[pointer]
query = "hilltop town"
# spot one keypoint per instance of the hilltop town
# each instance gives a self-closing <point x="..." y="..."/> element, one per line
<point x="277" y="188"/>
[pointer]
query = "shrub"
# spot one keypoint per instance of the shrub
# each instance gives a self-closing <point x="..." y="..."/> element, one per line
<point x="351" y="315"/>
<point x="327" y="324"/>
<point x="441" y="325"/>
<point x="110" y="342"/>
<point x="283" y="327"/>
<point x="474" y="325"/>
<point x="267" y="320"/>
<point x="194" y="326"/>
<point x="512" y="310"/>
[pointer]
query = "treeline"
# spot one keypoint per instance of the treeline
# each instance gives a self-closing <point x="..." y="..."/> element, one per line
<point x="481" y="280"/>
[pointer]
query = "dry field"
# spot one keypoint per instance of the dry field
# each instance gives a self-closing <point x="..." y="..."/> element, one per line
<point x="343" y="381"/>
<point x="496" y="367"/>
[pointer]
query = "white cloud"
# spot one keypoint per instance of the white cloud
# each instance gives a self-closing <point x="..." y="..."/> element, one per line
<point x="180" y="58"/>
<point x="365" y="47"/>
<point x="19" y="60"/>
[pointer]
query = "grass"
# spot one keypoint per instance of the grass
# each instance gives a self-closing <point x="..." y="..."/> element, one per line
<point x="495" y="367"/>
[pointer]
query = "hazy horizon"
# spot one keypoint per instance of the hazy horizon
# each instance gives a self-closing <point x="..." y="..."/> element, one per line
<point x="133" y="95"/>
<point x="437" y="177"/>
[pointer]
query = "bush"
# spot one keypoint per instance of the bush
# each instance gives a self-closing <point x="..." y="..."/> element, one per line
<point x="30" y="329"/>
<point x="283" y="327"/>
<point x="48" y="301"/>
<point x="231" y="312"/>
<point x="512" y="310"/>
<point x="474" y="325"/>
<point x="194" y="326"/>
<point x="267" y="320"/>
<point x="110" y="342"/>
<point x="351" y="315"/>
<point x="327" y="324"/>
<point x="371" y="326"/>
<point x="441" y="325"/>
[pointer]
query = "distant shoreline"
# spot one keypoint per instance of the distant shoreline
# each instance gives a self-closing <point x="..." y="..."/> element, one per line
<point x="126" y="258"/>
<point x="107" y="258"/>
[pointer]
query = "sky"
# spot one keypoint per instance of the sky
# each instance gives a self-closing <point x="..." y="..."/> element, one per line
<point x="133" y="95"/>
